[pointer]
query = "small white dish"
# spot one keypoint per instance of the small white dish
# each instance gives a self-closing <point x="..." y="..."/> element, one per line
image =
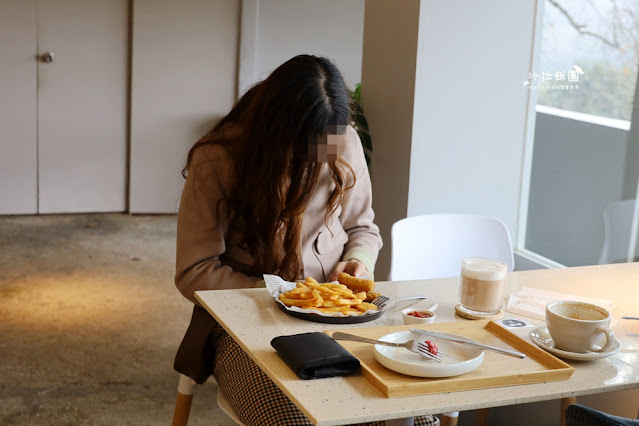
<point x="541" y="337"/>
<point x="457" y="359"/>
<point x="410" y="319"/>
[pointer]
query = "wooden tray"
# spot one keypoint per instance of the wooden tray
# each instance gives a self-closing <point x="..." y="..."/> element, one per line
<point x="496" y="371"/>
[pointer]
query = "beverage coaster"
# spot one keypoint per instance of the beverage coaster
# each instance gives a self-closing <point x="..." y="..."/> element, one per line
<point x="468" y="315"/>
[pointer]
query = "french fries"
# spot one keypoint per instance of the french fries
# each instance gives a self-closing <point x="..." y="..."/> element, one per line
<point x="327" y="297"/>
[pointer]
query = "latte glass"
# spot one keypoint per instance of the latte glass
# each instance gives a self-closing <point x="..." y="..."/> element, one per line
<point x="481" y="286"/>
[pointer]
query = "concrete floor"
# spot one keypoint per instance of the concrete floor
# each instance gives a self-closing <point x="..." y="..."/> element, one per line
<point x="90" y="321"/>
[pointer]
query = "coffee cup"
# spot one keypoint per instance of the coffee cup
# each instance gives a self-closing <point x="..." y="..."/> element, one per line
<point x="481" y="285"/>
<point x="579" y="327"/>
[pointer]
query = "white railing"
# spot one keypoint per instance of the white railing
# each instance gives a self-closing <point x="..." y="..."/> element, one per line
<point x="588" y="118"/>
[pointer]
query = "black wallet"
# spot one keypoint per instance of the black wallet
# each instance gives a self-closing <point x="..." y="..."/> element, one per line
<point x="315" y="355"/>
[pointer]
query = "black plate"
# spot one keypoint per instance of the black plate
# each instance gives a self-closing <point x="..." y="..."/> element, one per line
<point x="353" y="319"/>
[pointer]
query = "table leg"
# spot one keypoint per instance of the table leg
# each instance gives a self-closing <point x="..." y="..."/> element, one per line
<point x="564" y="403"/>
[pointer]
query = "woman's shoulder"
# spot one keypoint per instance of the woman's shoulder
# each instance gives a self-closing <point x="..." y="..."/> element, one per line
<point x="353" y="152"/>
<point x="211" y="164"/>
<point x="351" y="135"/>
<point x="217" y="144"/>
<point x="210" y="152"/>
<point x="210" y="170"/>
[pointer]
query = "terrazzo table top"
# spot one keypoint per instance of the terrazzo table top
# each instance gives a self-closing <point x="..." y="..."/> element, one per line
<point x="251" y="317"/>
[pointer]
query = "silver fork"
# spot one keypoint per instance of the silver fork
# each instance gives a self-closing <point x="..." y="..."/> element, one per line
<point x="411" y="345"/>
<point x="382" y="301"/>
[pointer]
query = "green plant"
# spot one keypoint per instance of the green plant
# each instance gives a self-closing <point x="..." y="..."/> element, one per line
<point x="359" y="122"/>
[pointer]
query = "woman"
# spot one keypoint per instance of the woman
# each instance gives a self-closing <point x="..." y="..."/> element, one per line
<point x="278" y="186"/>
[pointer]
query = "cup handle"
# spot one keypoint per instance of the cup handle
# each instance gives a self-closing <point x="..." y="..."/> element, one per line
<point x="610" y="340"/>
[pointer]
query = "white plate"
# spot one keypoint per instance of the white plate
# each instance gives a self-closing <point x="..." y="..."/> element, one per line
<point x="457" y="358"/>
<point x="541" y="337"/>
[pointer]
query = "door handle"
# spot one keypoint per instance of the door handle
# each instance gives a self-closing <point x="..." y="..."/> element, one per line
<point x="47" y="57"/>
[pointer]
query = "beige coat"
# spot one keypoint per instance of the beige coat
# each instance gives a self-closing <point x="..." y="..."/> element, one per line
<point x="207" y="261"/>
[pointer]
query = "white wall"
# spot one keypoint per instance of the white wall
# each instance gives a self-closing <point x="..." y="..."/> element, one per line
<point x="578" y="169"/>
<point x="285" y="28"/>
<point x="185" y="63"/>
<point x="184" y="68"/>
<point x="470" y="108"/>
<point x="448" y="127"/>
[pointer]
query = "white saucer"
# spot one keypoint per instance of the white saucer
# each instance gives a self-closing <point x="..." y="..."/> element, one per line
<point x="541" y="338"/>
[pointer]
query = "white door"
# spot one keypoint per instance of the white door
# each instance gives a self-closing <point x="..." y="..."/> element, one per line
<point x="82" y="105"/>
<point x="18" y="119"/>
<point x="183" y="80"/>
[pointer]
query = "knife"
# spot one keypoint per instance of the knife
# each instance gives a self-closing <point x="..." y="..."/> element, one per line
<point x="468" y="342"/>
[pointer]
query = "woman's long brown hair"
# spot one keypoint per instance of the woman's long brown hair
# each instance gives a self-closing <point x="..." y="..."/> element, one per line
<point x="274" y="177"/>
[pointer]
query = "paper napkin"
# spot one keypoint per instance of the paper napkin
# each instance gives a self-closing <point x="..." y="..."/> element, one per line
<point x="532" y="302"/>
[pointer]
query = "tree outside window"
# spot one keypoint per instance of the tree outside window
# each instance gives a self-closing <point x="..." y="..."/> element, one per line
<point x="589" y="57"/>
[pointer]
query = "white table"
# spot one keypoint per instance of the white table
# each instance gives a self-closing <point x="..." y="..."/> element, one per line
<point x="252" y="319"/>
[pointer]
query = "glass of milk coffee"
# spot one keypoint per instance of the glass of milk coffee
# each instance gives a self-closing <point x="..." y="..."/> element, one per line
<point x="481" y="286"/>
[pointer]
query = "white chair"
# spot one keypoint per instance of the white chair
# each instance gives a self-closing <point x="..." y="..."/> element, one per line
<point x="432" y="246"/>
<point x="186" y="387"/>
<point x="617" y="225"/>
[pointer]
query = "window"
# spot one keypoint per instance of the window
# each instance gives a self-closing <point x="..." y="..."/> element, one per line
<point x="588" y="59"/>
<point x="586" y="155"/>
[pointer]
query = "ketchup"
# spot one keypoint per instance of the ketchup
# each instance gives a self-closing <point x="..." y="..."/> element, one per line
<point x="419" y="314"/>
<point x="432" y="347"/>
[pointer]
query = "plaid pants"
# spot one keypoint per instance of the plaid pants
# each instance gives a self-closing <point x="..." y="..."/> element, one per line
<point x="253" y="396"/>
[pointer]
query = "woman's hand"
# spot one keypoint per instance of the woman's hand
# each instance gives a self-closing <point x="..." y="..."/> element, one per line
<point x="354" y="268"/>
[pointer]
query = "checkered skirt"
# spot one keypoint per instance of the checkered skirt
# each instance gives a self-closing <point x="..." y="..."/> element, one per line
<point x="253" y="396"/>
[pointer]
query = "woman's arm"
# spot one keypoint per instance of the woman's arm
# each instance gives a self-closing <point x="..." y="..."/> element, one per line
<point x="357" y="216"/>
<point x="202" y="227"/>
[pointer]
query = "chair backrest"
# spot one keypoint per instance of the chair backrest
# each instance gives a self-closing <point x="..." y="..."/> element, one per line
<point x="432" y="246"/>
<point x="617" y="225"/>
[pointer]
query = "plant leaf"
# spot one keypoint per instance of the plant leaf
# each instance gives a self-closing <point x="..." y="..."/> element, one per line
<point x="360" y="123"/>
